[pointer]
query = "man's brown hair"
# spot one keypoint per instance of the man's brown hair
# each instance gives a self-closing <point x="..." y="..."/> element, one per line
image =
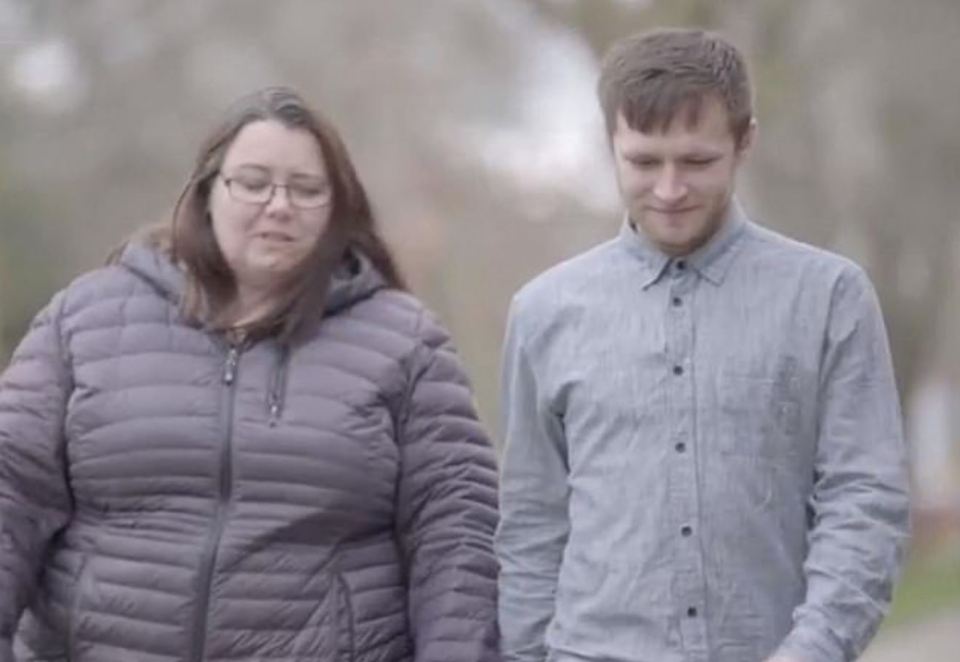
<point x="653" y="77"/>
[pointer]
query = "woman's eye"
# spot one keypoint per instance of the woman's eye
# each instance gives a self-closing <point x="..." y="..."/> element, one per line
<point x="253" y="185"/>
<point x="307" y="191"/>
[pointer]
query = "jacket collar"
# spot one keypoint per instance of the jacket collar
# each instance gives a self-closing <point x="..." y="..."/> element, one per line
<point x="354" y="279"/>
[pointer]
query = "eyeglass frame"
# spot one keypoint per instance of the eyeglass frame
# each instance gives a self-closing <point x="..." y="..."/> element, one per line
<point x="228" y="184"/>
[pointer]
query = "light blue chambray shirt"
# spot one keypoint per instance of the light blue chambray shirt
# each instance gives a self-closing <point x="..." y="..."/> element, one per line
<point x="703" y="458"/>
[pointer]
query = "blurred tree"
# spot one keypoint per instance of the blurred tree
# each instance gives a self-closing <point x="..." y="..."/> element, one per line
<point x="476" y="130"/>
<point x="858" y="147"/>
<point x="873" y="127"/>
<point x="26" y="256"/>
<point x="111" y="99"/>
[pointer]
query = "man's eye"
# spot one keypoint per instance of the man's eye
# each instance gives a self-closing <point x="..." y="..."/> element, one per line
<point x="699" y="162"/>
<point x="643" y="163"/>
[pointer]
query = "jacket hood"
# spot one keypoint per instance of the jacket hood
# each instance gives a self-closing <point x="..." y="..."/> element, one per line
<point x="354" y="279"/>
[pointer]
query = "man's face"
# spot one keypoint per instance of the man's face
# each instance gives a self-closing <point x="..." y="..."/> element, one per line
<point x="676" y="183"/>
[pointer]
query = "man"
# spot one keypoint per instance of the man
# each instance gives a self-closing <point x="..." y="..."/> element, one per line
<point x="703" y="458"/>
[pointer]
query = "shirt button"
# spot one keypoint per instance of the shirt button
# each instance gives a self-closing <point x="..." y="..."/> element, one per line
<point x="692" y="612"/>
<point x="686" y="531"/>
<point x="681" y="447"/>
<point x="681" y="265"/>
<point x="677" y="301"/>
<point x="678" y="370"/>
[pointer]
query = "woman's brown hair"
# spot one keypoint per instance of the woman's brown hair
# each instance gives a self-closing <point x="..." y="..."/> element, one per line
<point x="211" y="285"/>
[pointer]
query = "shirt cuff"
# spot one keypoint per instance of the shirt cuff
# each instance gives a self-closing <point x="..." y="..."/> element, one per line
<point x="809" y="644"/>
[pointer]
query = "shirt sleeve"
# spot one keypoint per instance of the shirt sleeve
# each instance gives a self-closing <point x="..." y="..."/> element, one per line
<point x="860" y="501"/>
<point x="35" y="501"/>
<point x="534" y="524"/>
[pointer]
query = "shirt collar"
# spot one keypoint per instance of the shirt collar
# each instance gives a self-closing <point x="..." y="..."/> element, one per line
<point x="712" y="260"/>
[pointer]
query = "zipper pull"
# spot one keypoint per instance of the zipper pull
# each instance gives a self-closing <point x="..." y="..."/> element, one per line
<point x="230" y="370"/>
<point x="274" y="412"/>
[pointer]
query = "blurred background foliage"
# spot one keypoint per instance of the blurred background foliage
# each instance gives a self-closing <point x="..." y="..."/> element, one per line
<point x="475" y="127"/>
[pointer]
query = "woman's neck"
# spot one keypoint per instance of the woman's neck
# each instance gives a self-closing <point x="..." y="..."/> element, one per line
<point x="250" y="305"/>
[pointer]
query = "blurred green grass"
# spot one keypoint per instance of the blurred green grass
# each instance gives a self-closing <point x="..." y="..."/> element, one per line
<point x="930" y="584"/>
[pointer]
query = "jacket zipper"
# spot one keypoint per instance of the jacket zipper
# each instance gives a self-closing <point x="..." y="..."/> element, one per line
<point x="346" y="606"/>
<point x="278" y="387"/>
<point x="79" y="584"/>
<point x="212" y="545"/>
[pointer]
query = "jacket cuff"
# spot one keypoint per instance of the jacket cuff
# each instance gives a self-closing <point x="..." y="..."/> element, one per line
<point x="809" y="644"/>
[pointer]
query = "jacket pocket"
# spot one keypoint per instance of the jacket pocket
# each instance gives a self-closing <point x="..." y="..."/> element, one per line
<point x="81" y="584"/>
<point x="344" y="621"/>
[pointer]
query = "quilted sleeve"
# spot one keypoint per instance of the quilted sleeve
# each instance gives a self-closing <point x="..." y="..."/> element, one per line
<point x="447" y="509"/>
<point x="34" y="498"/>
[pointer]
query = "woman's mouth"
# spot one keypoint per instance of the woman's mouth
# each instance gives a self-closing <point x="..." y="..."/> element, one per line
<point x="274" y="236"/>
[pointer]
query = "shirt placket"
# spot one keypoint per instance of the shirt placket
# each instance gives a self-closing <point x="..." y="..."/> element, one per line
<point x="689" y="595"/>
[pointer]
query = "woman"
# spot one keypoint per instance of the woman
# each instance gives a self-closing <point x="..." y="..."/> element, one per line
<point x="242" y="440"/>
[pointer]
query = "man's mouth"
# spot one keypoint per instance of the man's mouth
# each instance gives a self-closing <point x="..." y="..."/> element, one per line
<point x="672" y="210"/>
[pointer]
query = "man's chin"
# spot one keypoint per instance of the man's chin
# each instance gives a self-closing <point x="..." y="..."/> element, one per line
<point x="678" y="242"/>
<point x="676" y="236"/>
<point x="670" y="223"/>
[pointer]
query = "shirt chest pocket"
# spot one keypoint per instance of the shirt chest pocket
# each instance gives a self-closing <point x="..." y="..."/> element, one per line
<point x="758" y="416"/>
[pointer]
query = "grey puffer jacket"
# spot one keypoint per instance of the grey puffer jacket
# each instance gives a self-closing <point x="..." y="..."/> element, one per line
<point x="165" y="496"/>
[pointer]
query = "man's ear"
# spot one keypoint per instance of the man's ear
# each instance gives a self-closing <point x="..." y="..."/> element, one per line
<point x="748" y="139"/>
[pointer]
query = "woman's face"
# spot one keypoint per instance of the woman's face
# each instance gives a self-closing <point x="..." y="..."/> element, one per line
<point x="270" y="202"/>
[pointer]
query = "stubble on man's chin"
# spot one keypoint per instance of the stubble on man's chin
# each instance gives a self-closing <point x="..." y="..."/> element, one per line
<point x="711" y="228"/>
<point x="710" y="231"/>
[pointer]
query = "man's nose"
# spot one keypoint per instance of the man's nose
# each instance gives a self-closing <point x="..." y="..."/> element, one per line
<point x="670" y="186"/>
